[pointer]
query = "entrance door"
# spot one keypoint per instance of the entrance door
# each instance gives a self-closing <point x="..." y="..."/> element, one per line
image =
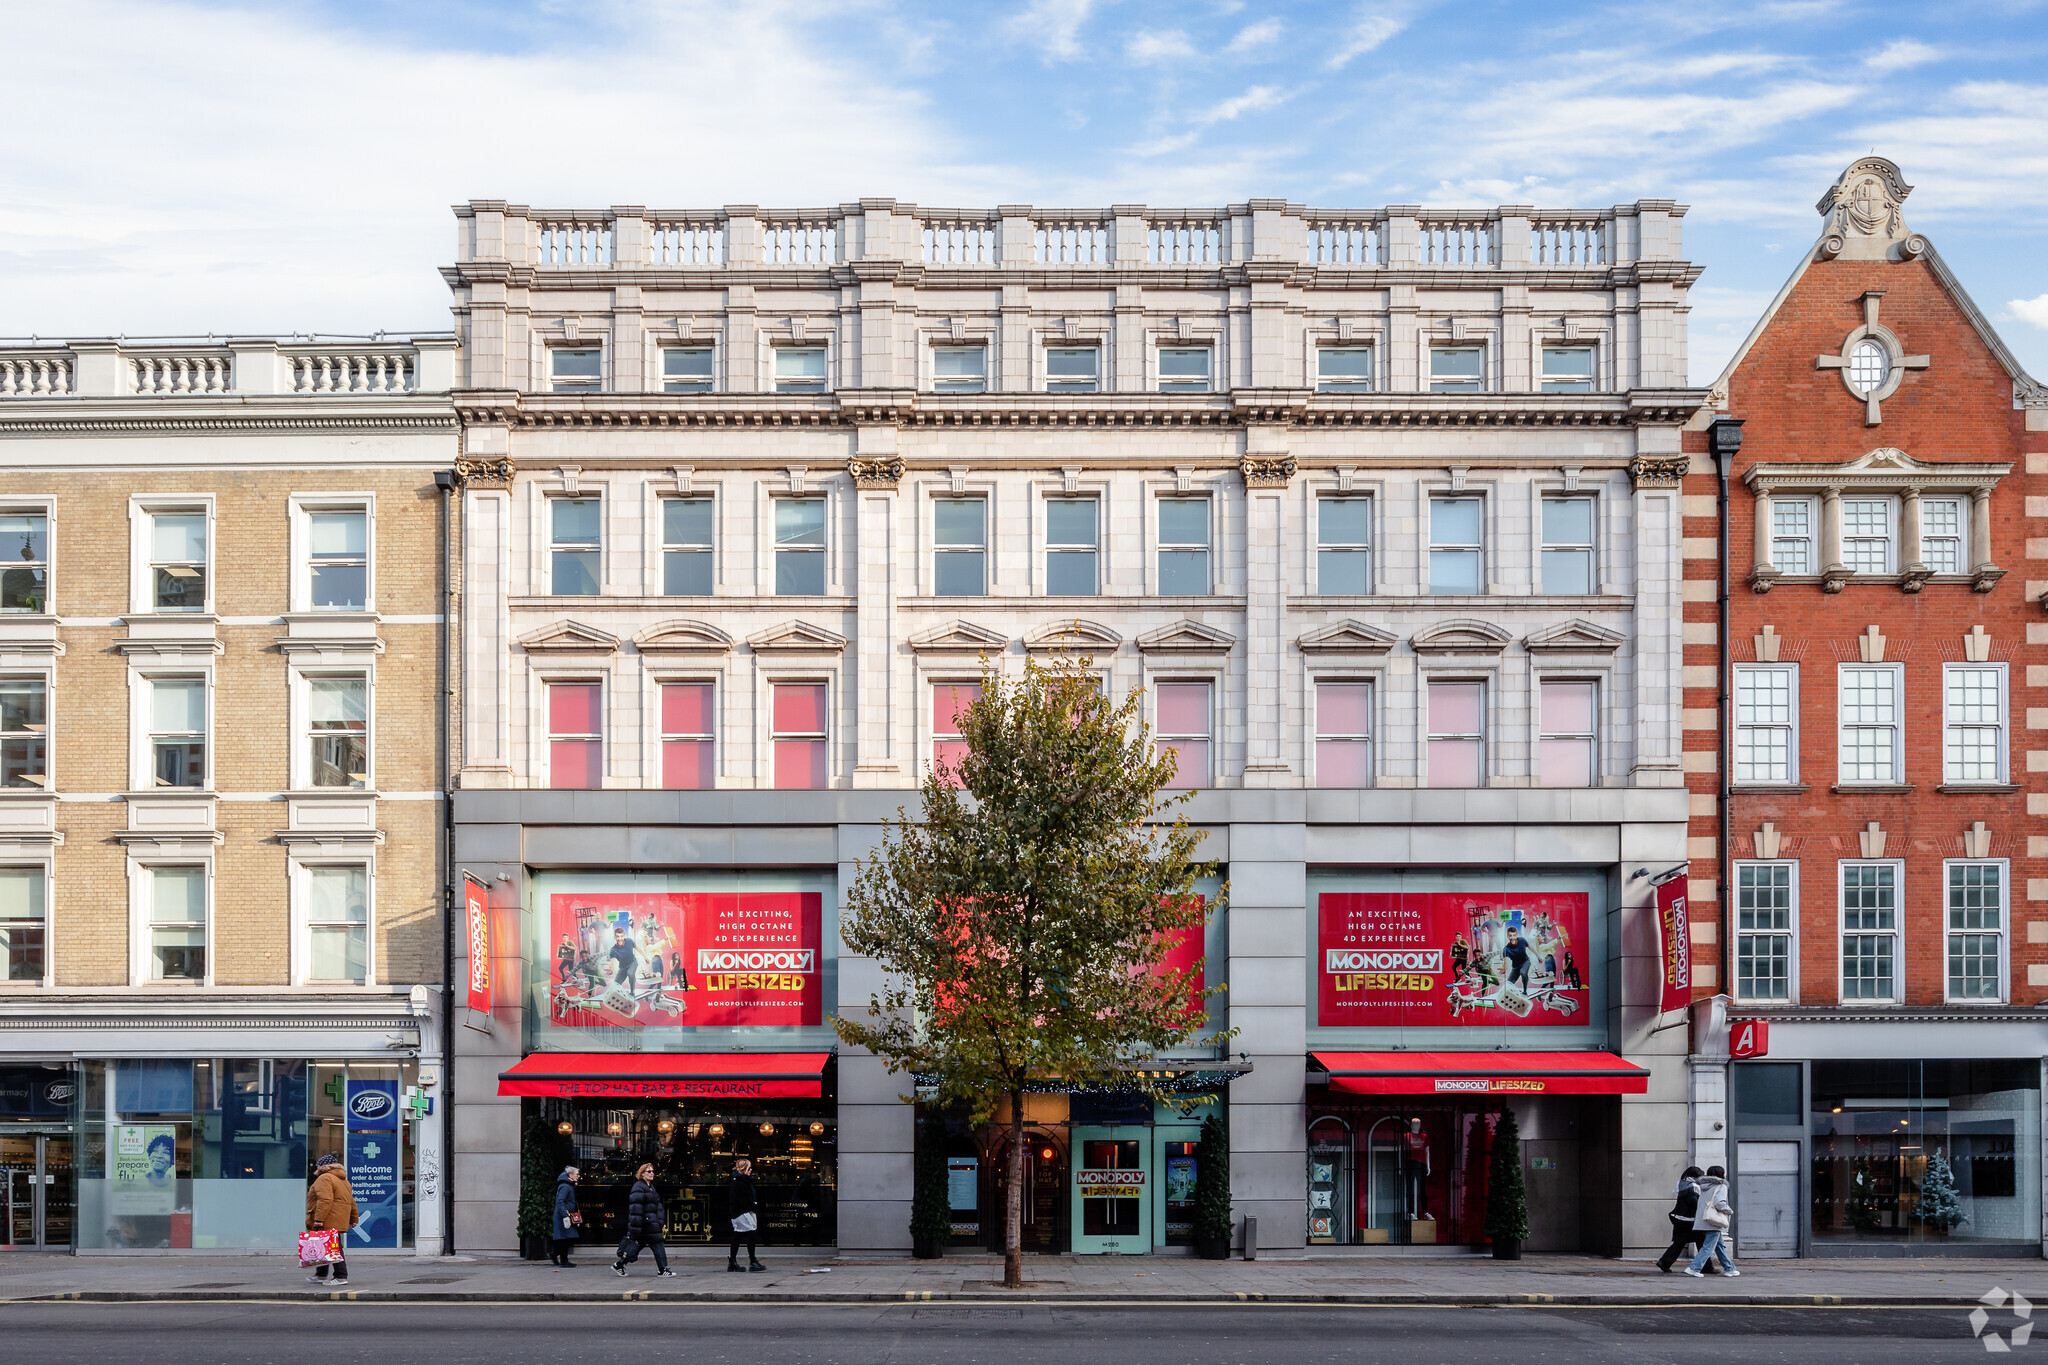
<point x="35" y="1191"/>
<point x="1175" y="1199"/>
<point x="1111" y="1181"/>
<point x="1766" y="1199"/>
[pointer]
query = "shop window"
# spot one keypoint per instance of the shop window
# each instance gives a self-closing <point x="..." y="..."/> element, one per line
<point x="1766" y="712"/>
<point x="24" y="562"/>
<point x="338" y="922"/>
<point x="24" y="732"/>
<point x="1343" y="734"/>
<point x="1073" y="369"/>
<point x="1870" y="932"/>
<point x="575" y="369"/>
<point x="1941" y="535"/>
<point x="802" y="730"/>
<point x="688" y="743"/>
<point x="960" y="553"/>
<point x="575" y="734"/>
<point x="1976" y="931"/>
<point x="800" y="369"/>
<point x="1973" y="723"/>
<point x="1568" y="547"/>
<point x="177" y="560"/>
<point x="1867" y="531"/>
<point x="1569" y="716"/>
<point x="1072" y="547"/>
<point x="1568" y="369"/>
<point x="1343" y="546"/>
<point x="575" y="546"/>
<point x="1766" y="915"/>
<point x="799" y="547"/>
<point x="1456" y="744"/>
<point x="1455" y="547"/>
<point x="686" y="546"/>
<point x="1344" y="369"/>
<point x="950" y="701"/>
<point x="687" y="369"/>
<point x="177" y="923"/>
<point x="959" y="369"/>
<point x="1183" y="547"/>
<point x="1792" y="521"/>
<point x="1869" y="724"/>
<point x="338" y="559"/>
<point x="24" y="921"/>
<point x="177" y="731"/>
<point x="338" y="731"/>
<point x="1184" y="369"/>
<point x="1183" y="726"/>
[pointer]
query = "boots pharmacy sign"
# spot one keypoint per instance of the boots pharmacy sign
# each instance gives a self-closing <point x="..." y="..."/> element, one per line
<point x="1424" y="958"/>
<point x="685" y="959"/>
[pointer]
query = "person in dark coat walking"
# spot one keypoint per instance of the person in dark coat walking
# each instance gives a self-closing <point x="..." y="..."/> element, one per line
<point x="567" y="1219"/>
<point x="646" y="1220"/>
<point x="743" y="1206"/>
<point x="1686" y="1205"/>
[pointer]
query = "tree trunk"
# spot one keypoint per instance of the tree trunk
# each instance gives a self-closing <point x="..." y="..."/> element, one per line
<point x="1013" y="1199"/>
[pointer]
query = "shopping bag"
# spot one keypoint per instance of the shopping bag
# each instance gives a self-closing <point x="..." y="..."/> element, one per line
<point x="319" y="1248"/>
<point x="746" y="1222"/>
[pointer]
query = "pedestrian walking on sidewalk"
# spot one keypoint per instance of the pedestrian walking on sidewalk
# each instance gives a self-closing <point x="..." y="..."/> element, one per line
<point x="567" y="1219"/>
<point x="743" y="1206"/>
<point x="646" y="1221"/>
<point x="1685" y="1207"/>
<point x="1711" y="1222"/>
<point x="331" y="1206"/>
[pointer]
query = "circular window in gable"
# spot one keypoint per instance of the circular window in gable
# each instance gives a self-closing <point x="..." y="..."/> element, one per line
<point x="1870" y="364"/>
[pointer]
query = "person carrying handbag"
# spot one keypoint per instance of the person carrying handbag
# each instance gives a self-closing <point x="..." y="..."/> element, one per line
<point x="567" y="1219"/>
<point x="1685" y="1206"/>
<point x="331" y="1206"/>
<point x="743" y="1206"/>
<point x="1716" y="1215"/>
<point x="646" y="1221"/>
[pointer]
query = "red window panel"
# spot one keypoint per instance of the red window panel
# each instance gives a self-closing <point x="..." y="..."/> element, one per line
<point x="950" y="701"/>
<point x="800" y="732"/>
<point x="688" y="744"/>
<point x="576" y="734"/>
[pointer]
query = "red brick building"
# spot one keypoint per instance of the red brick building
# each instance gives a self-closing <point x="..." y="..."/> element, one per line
<point x="1861" y="747"/>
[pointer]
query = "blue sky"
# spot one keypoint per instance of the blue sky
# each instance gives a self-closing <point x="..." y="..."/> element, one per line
<point x="186" y="167"/>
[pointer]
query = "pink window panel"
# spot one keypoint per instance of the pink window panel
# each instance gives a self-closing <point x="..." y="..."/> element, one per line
<point x="1454" y="762"/>
<point x="1567" y="708"/>
<point x="575" y="708"/>
<point x="1183" y="709"/>
<point x="686" y="708"/>
<point x="575" y="763"/>
<point x="1565" y="762"/>
<point x="1343" y="763"/>
<point x="1343" y="710"/>
<point x="1191" y="759"/>
<point x="686" y="764"/>
<point x="799" y="709"/>
<point x="1454" y="708"/>
<point x="799" y="763"/>
<point x="949" y="702"/>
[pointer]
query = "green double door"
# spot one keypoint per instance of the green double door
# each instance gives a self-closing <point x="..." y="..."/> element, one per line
<point x="1133" y="1188"/>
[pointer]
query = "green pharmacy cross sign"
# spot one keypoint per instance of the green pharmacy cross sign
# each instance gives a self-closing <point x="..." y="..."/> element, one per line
<point x="335" y="1088"/>
<point x="419" y="1101"/>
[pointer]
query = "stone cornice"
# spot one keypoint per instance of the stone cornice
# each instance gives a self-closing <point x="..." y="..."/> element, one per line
<point x="396" y="413"/>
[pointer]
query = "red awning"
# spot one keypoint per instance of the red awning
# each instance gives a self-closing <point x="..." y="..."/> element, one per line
<point x="668" y="1075"/>
<point x="1483" y="1073"/>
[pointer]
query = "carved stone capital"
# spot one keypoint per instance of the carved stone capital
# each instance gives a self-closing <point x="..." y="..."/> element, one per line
<point x="1762" y="578"/>
<point x="1985" y="577"/>
<point x="484" y="472"/>
<point x="1266" y="471"/>
<point x="1915" y="577"/>
<point x="1659" y="471"/>
<point x="1835" y="577"/>
<point x="875" y="471"/>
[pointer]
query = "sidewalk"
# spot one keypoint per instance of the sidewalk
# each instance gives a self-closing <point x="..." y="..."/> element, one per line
<point x="812" y="1277"/>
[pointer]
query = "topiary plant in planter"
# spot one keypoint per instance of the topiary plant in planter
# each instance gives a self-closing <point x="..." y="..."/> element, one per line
<point x="931" y="1210"/>
<point x="1507" y="1201"/>
<point x="537" y="1171"/>
<point x="1212" y="1191"/>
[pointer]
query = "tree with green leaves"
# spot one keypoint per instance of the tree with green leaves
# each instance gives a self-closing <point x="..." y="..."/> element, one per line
<point x="1941" y="1206"/>
<point x="1507" y="1199"/>
<point x="1024" y="921"/>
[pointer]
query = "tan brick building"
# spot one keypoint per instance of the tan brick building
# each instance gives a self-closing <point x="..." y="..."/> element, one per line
<point x="220" y="787"/>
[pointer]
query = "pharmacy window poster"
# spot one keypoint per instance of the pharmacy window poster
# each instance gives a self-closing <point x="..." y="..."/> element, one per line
<point x="1393" y="959"/>
<point x="686" y="959"/>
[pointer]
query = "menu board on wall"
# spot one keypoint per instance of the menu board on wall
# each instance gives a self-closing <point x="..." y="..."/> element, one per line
<point x="686" y="959"/>
<point x="1389" y="959"/>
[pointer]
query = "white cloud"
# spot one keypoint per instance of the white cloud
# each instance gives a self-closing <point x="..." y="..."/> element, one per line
<point x="1254" y="36"/>
<point x="2034" y="310"/>
<point x="1257" y="98"/>
<point x="1900" y="54"/>
<point x="1052" y="26"/>
<point x="1371" y="29"/>
<point x="1148" y="48"/>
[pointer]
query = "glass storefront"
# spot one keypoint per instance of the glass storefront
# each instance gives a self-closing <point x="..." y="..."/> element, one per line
<point x="37" y="1183"/>
<point x="1877" y="1128"/>
<point x="793" y="1144"/>
<point x="216" y="1153"/>
<point x="1412" y="1175"/>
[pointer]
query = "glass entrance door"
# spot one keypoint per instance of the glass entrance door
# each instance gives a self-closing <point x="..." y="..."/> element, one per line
<point x="35" y="1191"/>
<point x="1111" y="1183"/>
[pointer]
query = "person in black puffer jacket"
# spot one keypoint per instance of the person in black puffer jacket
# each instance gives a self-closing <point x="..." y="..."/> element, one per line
<point x="646" y="1220"/>
<point x="743" y="1206"/>
<point x="1686" y="1205"/>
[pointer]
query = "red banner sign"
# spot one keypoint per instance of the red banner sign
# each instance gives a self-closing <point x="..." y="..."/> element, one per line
<point x="1676" y="931"/>
<point x="686" y="959"/>
<point x="476" y="904"/>
<point x="1394" y="958"/>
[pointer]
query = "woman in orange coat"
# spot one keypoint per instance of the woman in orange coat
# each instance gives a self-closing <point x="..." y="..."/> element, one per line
<point x="331" y="1205"/>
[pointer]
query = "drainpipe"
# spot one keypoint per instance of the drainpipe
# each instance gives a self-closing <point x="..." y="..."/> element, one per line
<point x="1724" y="438"/>
<point x="445" y="483"/>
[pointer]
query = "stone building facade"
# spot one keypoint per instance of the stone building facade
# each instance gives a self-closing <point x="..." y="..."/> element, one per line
<point x="221" y="820"/>
<point x="1381" y="508"/>
<point x="1863" y="753"/>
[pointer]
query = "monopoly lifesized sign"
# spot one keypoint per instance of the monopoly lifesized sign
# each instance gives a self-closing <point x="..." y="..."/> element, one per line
<point x="1387" y="959"/>
<point x="686" y="959"/>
